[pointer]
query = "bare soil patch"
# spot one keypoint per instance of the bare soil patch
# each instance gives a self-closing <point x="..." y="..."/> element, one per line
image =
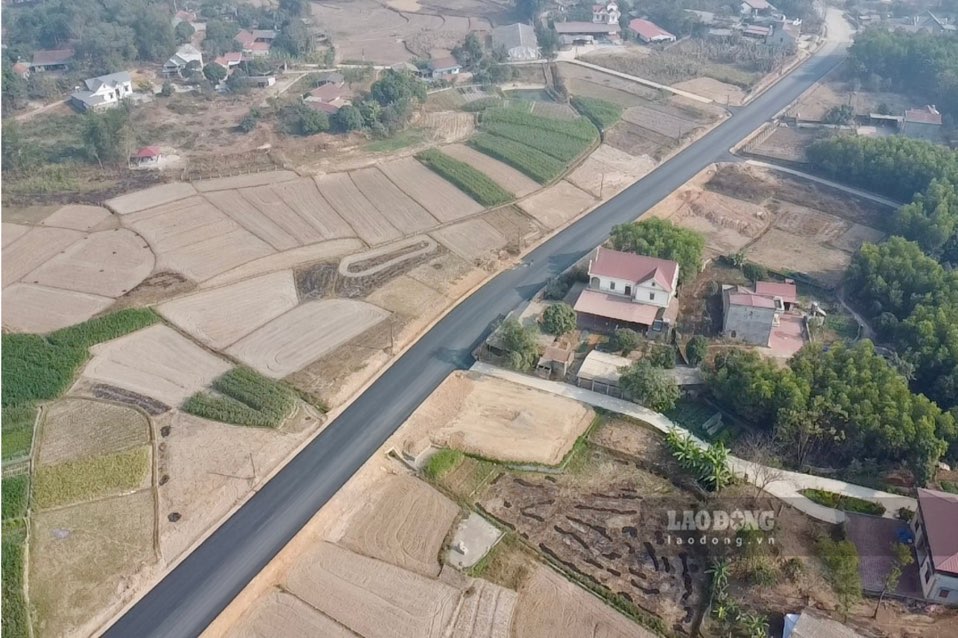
<point x="128" y="397"/>
<point x="407" y="297"/>
<point x="304" y="334"/>
<point x="244" y="181"/>
<point x="372" y="598"/>
<point x="637" y="140"/>
<point x="303" y="197"/>
<point x="403" y="212"/>
<point x="80" y="217"/>
<point x="12" y="232"/>
<point x="108" y="263"/>
<point x="557" y="204"/>
<point x="340" y="191"/>
<point x="814" y="104"/>
<point x="29" y="308"/>
<point x="509" y="178"/>
<point x="34" y="248"/>
<point x="77" y="428"/>
<point x="513" y="224"/>
<point x="549" y="605"/>
<point x="150" y="197"/>
<point x="282" y="614"/>
<point x="403" y="523"/>
<point x="727" y="94"/>
<point x="787" y="143"/>
<point x="788" y="253"/>
<point x="608" y="171"/>
<point x="660" y="119"/>
<point x="591" y="83"/>
<point x="238" y="208"/>
<point x="446" y="273"/>
<point x="157" y="362"/>
<point x="328" y="250"/>
<point x="853" y="238"/>
<point x="449" y="126"/>
<point x="439" y="197"/>
<point x="474" y="239"/>
<point x="220" y="316"/>
<point x="84" y="558"/>
<point x="496" y="419"/>
<point x="273" y="206"/>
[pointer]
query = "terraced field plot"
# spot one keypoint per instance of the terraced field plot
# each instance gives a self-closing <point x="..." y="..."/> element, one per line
<point x="272" y="206"/>
<point x="443" y="200"/>
<point x="501" y="173"/>
<point x="29" y="308"/>
<point x="79" y="217"/>
<point x="557" y="204"/>
<point x="150" y="197"/>
<point x="471" y="239"/>
<point x="340" y="191"/>
<point x="12" y="232"/>
<point x="608" y="171"/>
<point x="282" y="614"/>
<point x="246" y="214"/>
<point x="33" y="248"/>
<point x="636" y="140"/>
<point x="660" y="120"/>
<point x="303" y="197"/>
<point x="78" y="428"/>
<point x="403" y="212"/>
<point x="244" y="181"/>
<point x="331" y="250"/>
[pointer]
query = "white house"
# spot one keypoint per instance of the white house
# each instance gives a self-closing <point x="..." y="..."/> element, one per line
<point x="628" y="291"/>
<point x="607" y="13"/>
<point x="184" y="55"/>
<point x="936" y="545"/>
<point x="103" y="92"/>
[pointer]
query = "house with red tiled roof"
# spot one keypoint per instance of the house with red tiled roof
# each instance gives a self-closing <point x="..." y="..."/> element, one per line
<point x="754" y="316"/>
<point x="936" y="545"/>
<point x="628" y="291"/>
<point x="649" y="32"/>
<point x="923" y="123"/>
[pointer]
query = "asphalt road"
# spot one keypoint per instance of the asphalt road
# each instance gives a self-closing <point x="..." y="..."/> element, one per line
<point x="201" y="586"/>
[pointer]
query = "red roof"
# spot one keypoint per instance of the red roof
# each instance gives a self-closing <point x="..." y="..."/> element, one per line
<point x="323" y="106"/>
<point x="750" y="300"/>
<point x="327" y="92"/>
<point x="939" y="510"/>
<point x="229" y="59"/>
<point x="21" y="68"/>
<point x="147" y="151"/>
<point x="648" y="30"/>
<point x="787" y="291"/>
<point x="632" y="267"/>
<point x="259" y="46"/>
<point x="244" y="37"/>
<point x="927" y="115"/>
<point x="593" y="302"/>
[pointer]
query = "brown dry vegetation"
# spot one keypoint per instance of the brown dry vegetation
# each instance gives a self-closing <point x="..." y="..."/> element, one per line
<point x="78" y="428"/>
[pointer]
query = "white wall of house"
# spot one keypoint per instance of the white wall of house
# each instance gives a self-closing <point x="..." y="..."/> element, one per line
<point x="115" y="94"/>
<point x="938" y="587"/>
<point x="649" y="292"/>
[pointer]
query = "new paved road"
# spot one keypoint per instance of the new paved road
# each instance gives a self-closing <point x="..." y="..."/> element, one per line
<point x="194" y="593"/>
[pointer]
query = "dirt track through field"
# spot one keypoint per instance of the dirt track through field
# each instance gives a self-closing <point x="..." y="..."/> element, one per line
<point x="403" y="523"/>
<point x="157" y="362"/>
<point x="29" y="308"/>
<point x="501" y="173"/>
<point x="446" y="202"/>
<point x="401" y="210"/>
<point x="220" y="316"/>
<point x="304" y="334"/>
<point x="340" y="191"/>
<point x="303" y="197"/>
<point x="374" y="599"/>
<point x="325" y="251"/>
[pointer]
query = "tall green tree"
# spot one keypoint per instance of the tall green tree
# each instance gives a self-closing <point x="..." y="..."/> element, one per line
<point x="660" y="238"/>
<point x="649" y="386"/>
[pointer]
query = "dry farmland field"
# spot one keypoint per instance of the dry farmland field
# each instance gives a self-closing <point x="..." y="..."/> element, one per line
<point x="557" y="205"/>
<point x="785" y="143"/>
<point x="78" y="428"/>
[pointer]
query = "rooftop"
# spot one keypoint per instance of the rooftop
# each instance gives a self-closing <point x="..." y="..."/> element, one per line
<point x="632" y="267"/>
<point x="52" y="56"/>
<point x="750" y="300"/>
<point x="648" y="30"/>
<point x="445" y="62"/>
<point x="510" y="36"/>
<point x="327" y="92"/>
<point x="603" y="366"/>
<point x="555" y="353"/>
<point x="939" y="510"/>
<point x="758" y="5"/>
<point x="112" y="80"/>
<point x="593" y="302"/>
<point x="147" y="152"/>
<point x="787" y="290"/>
<point x="926" y="115"/>
<point x="810" y="624"/>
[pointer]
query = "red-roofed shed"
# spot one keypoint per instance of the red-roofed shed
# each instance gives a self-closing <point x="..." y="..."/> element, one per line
<point x="649" y="32"/>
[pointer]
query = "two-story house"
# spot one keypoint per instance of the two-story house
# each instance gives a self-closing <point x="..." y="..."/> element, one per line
<point x="628" y="291"/>
<point x="936" y="545"/>
<point x="104" y="92"/>
<point x="607" y="13"/>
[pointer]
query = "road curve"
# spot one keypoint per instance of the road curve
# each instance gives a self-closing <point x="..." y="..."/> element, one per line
<point x="203" y="584"/>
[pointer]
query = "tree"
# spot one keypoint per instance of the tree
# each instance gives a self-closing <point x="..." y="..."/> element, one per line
<point x="625" y="340"/>
<point x="559" y="319"/>
<point x="395" y="87"/>
<point x="348" y="118"/>
<point x="521" y="345"/>
<point x="841" y="561"/>
<point x="214" y="73"/>
<point x="755" y="272"/>
<point x="902" y="557"/>
<point x="840" y="115"/>
<point x="649" y="386"/>
<point x="183" y="32"/>
<point x="294" y="8"/>
<point x="107" y="136"/>
<point x="660" y="238"/>
<point x="709" y="463"/>
<point x="696" y="349"/>
<point x="312" y="122"/>
<point x="294" y="38"/>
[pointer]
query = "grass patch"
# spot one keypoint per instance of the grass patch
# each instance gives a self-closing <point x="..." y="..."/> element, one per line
<point x="441" y="463"/>
<point x="17" y="425"/>
<point x="536" y="164"/>
<point x="39" y="368"/>
<point x="244" y="397"/>
<point x="16" y="615"/>
<point x="949" y="486"/>
<point x="506" y="564"/>
<point x="401" y="140"/>
<point x="88" y="479"/>
<point x="16" y="496"/>
<point x="844" y="326"/>
<point x="482" y="104"/>
<point x="602" y="113"/>
<point x="845" y="503"/>
<point x="471" y="181"/>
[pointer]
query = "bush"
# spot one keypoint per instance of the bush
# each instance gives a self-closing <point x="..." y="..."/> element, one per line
<point x="16" y="496"/>
<point x="556" y="289"/>
<point x="696" y="349"/>
<point x="468" y="179"/>
<point x="625" y="340"/>
<point x="660" y="238"/>
<point x="754" y="272"/>
<point x="86" y="479"/>
<point x="245" y="398"/>
<point x="521" y="344"/>
<point x="441" y="463"/>
<point x="709" y="464"/>
<point x="842" y="502"/>
<point x="559" y="319"/>
<point x="661" y="356"/>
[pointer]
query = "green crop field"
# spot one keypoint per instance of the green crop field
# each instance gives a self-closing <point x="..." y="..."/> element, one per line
<point x="474" y="183"/>
<point x="16" y="496"/>
<point x="244" y="397"/>
<point x="602" y="113"/>
<point x="16" y="617"/>
<point x="87" y="479"/>
<point x="561" y="147"/>
<point x="17" y="425"/>
<point x="536" y="164"/>
<point x="441" y="463"/>
<point x="579" y="128"/>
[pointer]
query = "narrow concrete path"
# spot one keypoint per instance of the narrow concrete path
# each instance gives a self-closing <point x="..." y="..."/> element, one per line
<point x="633" y="78"/>
<point x="782" y="484"/>
<point x="878" y="199"/>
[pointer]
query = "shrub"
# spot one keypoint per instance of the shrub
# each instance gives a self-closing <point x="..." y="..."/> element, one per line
<point x="468" y="179"/>
<point x="482" y="104"/>
<point x="841" y="561"/>
<point x="754" y="272"/>
<point x="556" y="289"/>
<point x="441" y="463"/>
<point x="559" y="319"/>
<point x="842" y="502"/>
<point x="696" y="349"/>
<point x="245" y="398"/>
<point x="17" y="423"/>
<point x="521" y="344"/>
<point x="661" y="356"/>
<point x="708" y="463"/>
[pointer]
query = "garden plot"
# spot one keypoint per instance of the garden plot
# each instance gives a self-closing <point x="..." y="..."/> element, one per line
<point x="81" y="559"/>
<point x="496" y="419"/>
<point x="108" y="263"/>
<point x="301" y="195"/>
<point x="406" y="297"/>
<point x="403" y="521"/>
<point x="29" y="308"/>
<point x="372" y="598"/>
<point x="486" y="610"/>
<point x="554" y="110"/>
<point x="324" y="251"/>
<point x="557" y="205"/>
<point x="445" y="272"/>
<point x="34" y="248"/>
<point x="77" y="428"/>
<point x="272" y="205"/>
<point x="243" y="212"/>
<point x="13" y="232"/>
<point x="501" y="173"/>
<point x="608" y="171"/>
<point x="398" y="208"/>
<point x="472" y="239"/>
<point x="282" y="614"/>
<point x="244" y="181"/>
<point x="808" y="222"/>
<point x="80" y="217"/>
<point x="513" y="224"/>
<point x="150" y="197"/>
<point x="549" y="605"/>
<point x="660" y="121"/>
<point x="439" y="197"/>
<point x="156" y="362"/>
<point x="592" y="83"/>
<point x="196" y="239"/>
<point x="371" y="226"/>
<point x="449" y="126"/>
<point x="304" y="334"/>
<point x="220" y="316"/>
<point x="788" y="253"/>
